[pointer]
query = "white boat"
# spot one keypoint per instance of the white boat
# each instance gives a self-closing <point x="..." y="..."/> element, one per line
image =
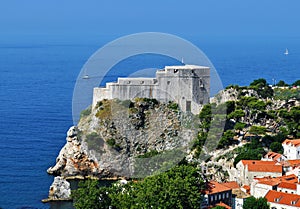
<point x="85" y="76"/>
<point x="286" y="51"/>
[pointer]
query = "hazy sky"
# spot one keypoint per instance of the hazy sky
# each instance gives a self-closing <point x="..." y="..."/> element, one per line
<point x="120" y="17"/>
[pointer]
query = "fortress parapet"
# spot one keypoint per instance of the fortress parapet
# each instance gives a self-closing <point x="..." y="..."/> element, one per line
<point x="187" y="85"/>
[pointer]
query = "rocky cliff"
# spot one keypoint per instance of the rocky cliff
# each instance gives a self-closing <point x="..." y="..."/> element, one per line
<point x="125" y="139"/>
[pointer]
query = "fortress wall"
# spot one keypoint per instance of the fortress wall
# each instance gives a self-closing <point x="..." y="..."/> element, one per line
<point x="125" y="92"/>
<point x="136" y="81"/>
<point x="186" y="85"/>
<point x="100" y="94"/>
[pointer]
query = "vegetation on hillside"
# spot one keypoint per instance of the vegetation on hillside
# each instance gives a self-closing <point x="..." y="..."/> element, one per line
<point x="260" y="116"/>
<point x="256" y="203"/>
<point x="177" y="188"/>
<point x="247" y="119"/>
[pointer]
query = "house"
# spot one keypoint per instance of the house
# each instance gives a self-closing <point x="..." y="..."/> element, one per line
<point x="287" y="187"/>
<point x="291" y="148"/>
<point x="246" y="188"/>
<point x="273" y="156"/>
<point x="238" y="198"/>
<point x="282" y="200"/>
<point x="261" y="186"/>
<point x="289" y="166"/>
<point x="216" y="193"/>
<point x="249" y="169"/>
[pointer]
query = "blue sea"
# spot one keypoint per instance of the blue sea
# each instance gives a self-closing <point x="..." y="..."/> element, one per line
<point x="36" y="88"/>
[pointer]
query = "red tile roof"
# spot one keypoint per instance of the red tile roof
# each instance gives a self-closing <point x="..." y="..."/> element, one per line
<point x="295" y="142"/>
<point x="292" y="163"/>
<point x="224" y="205"/>
<point x="257" y="162"/>
<point x="292" y="178"/>
<point x="283" y="198"/>
<point x="270" y="182"/>
<point x="262" y="166"/>
<point x="286" y="178"/>
<point x="215" y="187"/>
<point x="247" y="188"/>
<point x="273" y="181"/>
<point x="273" y="155"/>
<point x="231" y="184"/>
<point x="288" y="185"/>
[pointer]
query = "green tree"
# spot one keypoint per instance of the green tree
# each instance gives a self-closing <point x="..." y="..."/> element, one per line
<point x="276" y="147"/>
<point x="237" y="114"/>
<point x="259" y="82"/>
<point x="291" y="119"/>
<point x="257" y="130"/>
<point x="226" y="139"/>
<point x="296" y="83"/>
<point x="251" y="151"/>
<point x="281" y="83"/>
<point x="177" y="188"/>
<point x="239" y="126"/>
<point x="256" y="203"/>
<point x="262" y="88"/>
<point x="230" y="106"/>
<point x="91" y="195"/>
<point x="219" y="207"/>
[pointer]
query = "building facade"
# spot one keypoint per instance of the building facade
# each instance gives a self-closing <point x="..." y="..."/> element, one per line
<point x="280" y="200"/>
<point x="273" y="156"/>
<point x="188" y="86"/>
<point x="291" y="149"/>
<point x="249" y="169"/>
<point x="216" y="193"/>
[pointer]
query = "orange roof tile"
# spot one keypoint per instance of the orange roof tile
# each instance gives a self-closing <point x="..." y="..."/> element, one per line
<point x="283" y="198"/>
<point x="295" y="142"/>
<point x="292" y="178"/>
<point x="273" y="155"/>
<point x="265" y="168"/>
<point x="292" y="163"/>
<point x="247" y="188"/>
<point x="269" y="182"/>
<point x="224" y="205"/>
<point x="215" y="187"/>
<point x="288" y="185"/>
<point x="277" y="180"/>
<point x="231" y="184"/>
<point x="257" y="162"/>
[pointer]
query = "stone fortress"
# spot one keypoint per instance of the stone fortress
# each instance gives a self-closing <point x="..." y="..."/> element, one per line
<point x="187" y="85"/>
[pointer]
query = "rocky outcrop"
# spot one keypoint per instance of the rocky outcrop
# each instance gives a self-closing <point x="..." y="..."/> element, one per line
<point x="72" y="159"/>
<point x="223" y="96"/>
<point x="60" y="189"/>
<point x="120" y="138"/>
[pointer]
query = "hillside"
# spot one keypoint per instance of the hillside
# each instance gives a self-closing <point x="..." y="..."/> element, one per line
<point x="134" y="139"/>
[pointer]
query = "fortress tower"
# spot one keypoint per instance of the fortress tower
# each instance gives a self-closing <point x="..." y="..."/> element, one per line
<point x="186" y="85"/>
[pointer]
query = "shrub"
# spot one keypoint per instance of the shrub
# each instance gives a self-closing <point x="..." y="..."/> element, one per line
<point x="173" y="106"/>
<point x="257" y="130"/>
<point x="111" y="142"/>
<point x="148" y="154"/>
<point x="86" y="112"/>
<point x="239" y="126"/>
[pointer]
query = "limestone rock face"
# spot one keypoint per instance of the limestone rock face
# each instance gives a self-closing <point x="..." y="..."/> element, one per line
<point x="72" y="160"/>
<point x="224" y="96"/>
<point x="112" y="140"/>
<point x="60" y="189"/>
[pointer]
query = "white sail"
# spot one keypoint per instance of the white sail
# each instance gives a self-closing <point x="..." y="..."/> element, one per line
<point x="286" y="51"/>
<point x="85" y="75"/>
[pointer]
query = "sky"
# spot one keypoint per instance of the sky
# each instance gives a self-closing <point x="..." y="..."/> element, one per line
<point x="198" y="18"/>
